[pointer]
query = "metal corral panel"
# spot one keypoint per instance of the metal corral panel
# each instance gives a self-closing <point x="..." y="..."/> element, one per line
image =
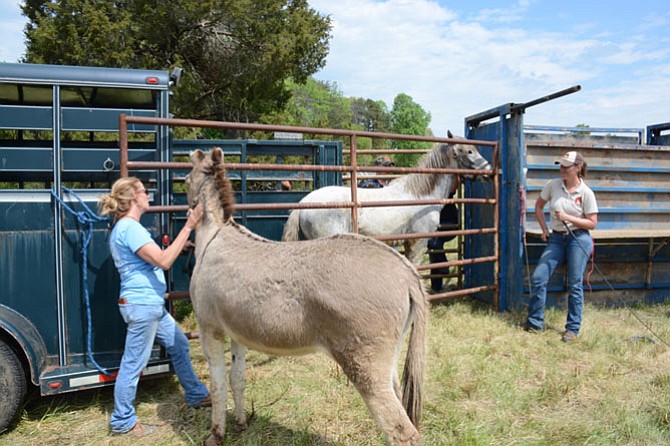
<point x="658" y="134"/>
<point x="631" y="183"/>
<point x="632" y="186"/>
<point x="481" y="216"/>
<point x="260" y="187"/>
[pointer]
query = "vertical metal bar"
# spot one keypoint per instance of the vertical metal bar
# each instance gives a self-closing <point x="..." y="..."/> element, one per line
<point x="123" y="145"/>
<point x="354" y="181"/>
<point x="650" y="264"/>
<point x="496" y="225"/>
<point x="244" y="182"/>
<point x="461" y="239"/>
<point x="164" y="177"/>
<point x="164" y="155"/>
<point x="58" y="225"/>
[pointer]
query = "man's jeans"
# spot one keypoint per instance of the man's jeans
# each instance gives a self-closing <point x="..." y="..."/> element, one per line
<point x="146" y="322"/>
<point x="561" y="248"/>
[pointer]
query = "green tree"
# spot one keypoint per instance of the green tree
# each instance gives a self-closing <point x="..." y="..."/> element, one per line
<point x="372" y="116"/>
<point x="409" y="118"/>
<point x="319" y="104"/>
<point x="584" y="133"/>
<point x="313" y="103"/>
<point x="236" y="54"/>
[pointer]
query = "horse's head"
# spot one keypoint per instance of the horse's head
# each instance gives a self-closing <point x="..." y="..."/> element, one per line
<point x="209" y="169"/>
<point x="468" y="157"/>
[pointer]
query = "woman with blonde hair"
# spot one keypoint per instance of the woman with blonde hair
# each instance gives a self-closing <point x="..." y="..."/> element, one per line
<point x="140" y="262"/>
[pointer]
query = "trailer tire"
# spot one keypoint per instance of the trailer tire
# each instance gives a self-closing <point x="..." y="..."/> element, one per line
<point x="13" y="385"/>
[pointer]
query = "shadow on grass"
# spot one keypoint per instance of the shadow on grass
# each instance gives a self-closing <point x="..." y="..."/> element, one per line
<point x="171" y="411"/>
<point x="515" y="319"/>
<point x="262" y="430"/>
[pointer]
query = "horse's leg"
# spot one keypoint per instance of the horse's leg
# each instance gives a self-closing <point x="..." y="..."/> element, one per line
<point x="371" y="369"/>
<point x="415" y="249"/>
<point x="214" y="348"/>
<point x="238" y="382"/>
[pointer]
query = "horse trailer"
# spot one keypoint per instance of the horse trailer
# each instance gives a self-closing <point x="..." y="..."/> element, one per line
<point x="60" y="328"/>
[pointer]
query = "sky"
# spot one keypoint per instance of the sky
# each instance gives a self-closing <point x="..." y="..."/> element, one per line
<point x="459" y="58"/>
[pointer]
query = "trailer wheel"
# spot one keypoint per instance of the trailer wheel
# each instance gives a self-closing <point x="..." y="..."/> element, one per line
<point x="13" y="385"/>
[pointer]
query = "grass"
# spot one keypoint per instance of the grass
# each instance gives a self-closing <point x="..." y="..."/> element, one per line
<point x="488" y="383"/>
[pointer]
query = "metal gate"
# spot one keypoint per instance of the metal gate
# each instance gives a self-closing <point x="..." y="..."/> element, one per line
<point x="631" y="181"/>
<point x="475" y="225"/>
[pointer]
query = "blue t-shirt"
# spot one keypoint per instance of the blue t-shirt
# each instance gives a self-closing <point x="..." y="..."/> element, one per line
<point x="141" y="282"/>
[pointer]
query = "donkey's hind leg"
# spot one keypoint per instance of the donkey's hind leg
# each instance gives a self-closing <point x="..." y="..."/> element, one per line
<point x="390" y="415"/>
<point x="377" y="382"/>
<point x="238" y="382"/>
<point x="214" y="348"/>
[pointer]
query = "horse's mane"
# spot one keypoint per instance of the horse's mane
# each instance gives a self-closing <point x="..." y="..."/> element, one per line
<point x="222" y="184"/>
<point x="420" y="184"/>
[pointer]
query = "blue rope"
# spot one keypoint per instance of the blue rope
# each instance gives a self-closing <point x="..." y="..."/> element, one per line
<point x="86" y="218"/>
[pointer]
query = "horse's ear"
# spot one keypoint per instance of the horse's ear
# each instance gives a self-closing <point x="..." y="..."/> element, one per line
<point x="449" y="134"/>
<point x="197" y="156"/>
<point x="217" y="155"/>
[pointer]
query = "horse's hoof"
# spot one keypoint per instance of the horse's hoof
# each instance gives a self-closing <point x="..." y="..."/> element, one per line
<point x="212" y="441"/>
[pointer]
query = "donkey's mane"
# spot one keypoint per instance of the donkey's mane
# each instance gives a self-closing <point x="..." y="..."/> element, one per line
<point x="224" y="187"/>
<point x="419" y="184"/>
<point x="226" y="198"/>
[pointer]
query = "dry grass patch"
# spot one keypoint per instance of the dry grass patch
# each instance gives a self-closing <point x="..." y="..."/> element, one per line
<point x="488" y="383"/>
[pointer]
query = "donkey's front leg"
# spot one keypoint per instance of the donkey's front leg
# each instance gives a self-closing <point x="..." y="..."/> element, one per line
<point x="238" y="381"/>
<point x="214" y="348"/>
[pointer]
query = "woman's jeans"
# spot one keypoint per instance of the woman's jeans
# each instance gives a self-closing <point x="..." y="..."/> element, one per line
<point x="146" y="323"/>
<point x="561" y="248"/>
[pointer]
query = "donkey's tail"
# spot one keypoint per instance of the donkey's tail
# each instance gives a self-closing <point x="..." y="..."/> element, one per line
<point x="292" y="227"/>
<point x="413" y="373"/>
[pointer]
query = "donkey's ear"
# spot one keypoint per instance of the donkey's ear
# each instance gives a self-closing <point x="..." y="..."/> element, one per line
<point x="449" y="134"/>
<point x="197" y="156"/>
<point x="217" y="155"/>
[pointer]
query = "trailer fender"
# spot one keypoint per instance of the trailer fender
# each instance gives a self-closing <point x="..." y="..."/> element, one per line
<point x="26" y="336"/>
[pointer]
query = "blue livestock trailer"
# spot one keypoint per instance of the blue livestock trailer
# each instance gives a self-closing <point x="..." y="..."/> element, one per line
<point x="59" y="325"/>
<point x="60" y="328"/>
<point x="630" y="176"/>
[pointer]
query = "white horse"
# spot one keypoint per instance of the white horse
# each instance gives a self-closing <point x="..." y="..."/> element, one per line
<point x="373" y="221"/>
<point x="348" y="296"/>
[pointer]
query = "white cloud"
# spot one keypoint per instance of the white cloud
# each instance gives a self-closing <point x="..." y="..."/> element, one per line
<point x="507" y="14"/>
<point x="11" y="31"/>
<point x="456" y="64"/>
<point x="454" y="67"/>
<point x="630" y="53"/>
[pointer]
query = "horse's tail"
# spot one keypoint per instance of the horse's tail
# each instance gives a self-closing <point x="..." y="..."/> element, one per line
<point x="292" y="227"/>
<point x="413" y="373"/>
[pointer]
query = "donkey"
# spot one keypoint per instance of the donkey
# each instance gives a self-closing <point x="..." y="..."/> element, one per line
<point x="349" y="296"/>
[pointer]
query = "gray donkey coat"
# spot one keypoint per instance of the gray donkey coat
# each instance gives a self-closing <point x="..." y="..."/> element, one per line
<point x="348" y="296"/>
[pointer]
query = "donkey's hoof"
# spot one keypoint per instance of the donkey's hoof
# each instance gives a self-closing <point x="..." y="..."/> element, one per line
<point x="212" y="441"/>
<point x="240" y="427"/>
